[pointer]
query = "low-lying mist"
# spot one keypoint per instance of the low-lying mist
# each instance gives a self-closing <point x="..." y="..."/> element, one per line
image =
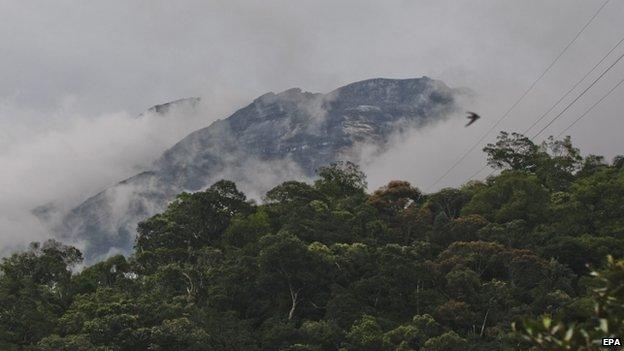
<point x="65" y="66"/>
<point x="60" y="161"/>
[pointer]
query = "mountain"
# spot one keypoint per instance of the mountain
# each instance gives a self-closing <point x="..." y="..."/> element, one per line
<point x="186" y="103"/>
<point x="276" y="137"/>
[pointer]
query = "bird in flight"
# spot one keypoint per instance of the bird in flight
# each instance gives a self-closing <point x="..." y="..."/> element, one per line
<point x="473" y="117"/>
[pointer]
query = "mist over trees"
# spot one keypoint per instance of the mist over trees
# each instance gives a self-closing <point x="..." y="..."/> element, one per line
<point x="500" y="264"/>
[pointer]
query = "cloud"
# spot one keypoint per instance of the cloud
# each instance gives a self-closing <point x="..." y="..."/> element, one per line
<point x="420" y="156"/>
<point x="63" y="160"/>
<point x="75" y="75"/>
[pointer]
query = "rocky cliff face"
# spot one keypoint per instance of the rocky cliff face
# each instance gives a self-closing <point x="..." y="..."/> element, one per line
<point x="276" y="137"/>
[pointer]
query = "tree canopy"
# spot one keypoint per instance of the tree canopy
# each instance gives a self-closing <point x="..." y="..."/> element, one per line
<point x="528" y="258"/>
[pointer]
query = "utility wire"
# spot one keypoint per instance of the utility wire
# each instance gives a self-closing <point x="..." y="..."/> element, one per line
<point x="573" y="87"/>
<point x="526" y="92"/>
<point x="566" y="128"/>
<point x="578" y="97"/>
<point x="573" y="101"/>
<point x="592" y="107"/>
<point x="477" y="173"/>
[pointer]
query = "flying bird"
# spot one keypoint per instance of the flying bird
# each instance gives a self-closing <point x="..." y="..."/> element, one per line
<point x="473" y="117"/>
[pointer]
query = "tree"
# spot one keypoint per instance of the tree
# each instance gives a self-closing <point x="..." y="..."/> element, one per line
<point x="290" y="270"/>
<point x="292" y="193"/>
<point x="341" y="179"/>
<point x="446" y="342"/>
<point x="515" y="152"/>
<point x="322" y="334"/>
<point x="69" y="343"/>
<point x="511" y="196"/>
<point x="413" y="335"/>
<point x="329" y="267"/>
<point x="191" y="222"/>
<point x="598" y="202"/>
<point x="365" y="335"/>
<point x="34" y="289"/>
<point x="395" y="197"/>
<point x="179" y="334"/>
<point x="608" y="321"/>
<point x="106" y="318"/>
<point x="554" y="161"/>
<point x="113" y="271"/>
<point x="247" y="230"/>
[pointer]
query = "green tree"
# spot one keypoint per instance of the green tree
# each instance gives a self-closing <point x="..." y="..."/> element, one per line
<point x="365" y="335"/>
<point x="190" y="222"/>
<point x="446" y="342"/>
<point x="607" y="322"/>
<point x="34" y="290"/>
<point x="341" y="179"/>
<point x="511" y="196"/>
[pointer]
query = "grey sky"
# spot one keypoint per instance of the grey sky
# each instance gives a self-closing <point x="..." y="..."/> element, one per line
<point x="127" y="55"/>
<point x="74" y="74"/>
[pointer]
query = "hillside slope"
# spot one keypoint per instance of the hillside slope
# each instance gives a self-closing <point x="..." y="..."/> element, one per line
<point x="276" y="137"/>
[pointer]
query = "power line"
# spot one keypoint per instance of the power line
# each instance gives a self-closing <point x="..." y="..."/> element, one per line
<point x="566" y="128"/>
<point x="592" y="107"/>
<point x="477" y="173"/>
<point x="573" y="87"/>
<point x="578" y="97"/>
<point x="571" y="103"/>
<point x="526" y="92"/>
<point x="563" y="97"/>
<point x="568" y="106"/>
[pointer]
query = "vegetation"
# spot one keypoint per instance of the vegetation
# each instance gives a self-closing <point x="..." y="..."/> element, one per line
<point x="502" y="264"/>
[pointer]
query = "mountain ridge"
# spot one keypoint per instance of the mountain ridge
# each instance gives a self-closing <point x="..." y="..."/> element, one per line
<point x="276" y="136"/>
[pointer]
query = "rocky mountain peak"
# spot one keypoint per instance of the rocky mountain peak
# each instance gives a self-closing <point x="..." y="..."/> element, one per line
<point x="276" y="137"/>
<point x="165" y="108"/>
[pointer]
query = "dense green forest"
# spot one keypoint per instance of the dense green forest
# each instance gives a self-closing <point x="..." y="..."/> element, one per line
<point x="500" y="264"/>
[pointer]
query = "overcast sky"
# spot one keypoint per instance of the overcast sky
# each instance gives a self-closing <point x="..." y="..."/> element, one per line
<point x="74" y="75"/>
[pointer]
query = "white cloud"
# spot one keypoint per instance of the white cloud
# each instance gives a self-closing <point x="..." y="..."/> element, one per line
<point x="65" y="159"/>
<point x="75" y="75"/>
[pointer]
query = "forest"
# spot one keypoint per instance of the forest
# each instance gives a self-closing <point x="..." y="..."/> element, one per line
<point x="528" y="259"/>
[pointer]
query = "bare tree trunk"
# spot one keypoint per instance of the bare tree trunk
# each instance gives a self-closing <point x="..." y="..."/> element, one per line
<point x="418" y="297"/>
<point x="484" y="320"/>
<point x="191" y="287"/>
<point x="293" y="297"/>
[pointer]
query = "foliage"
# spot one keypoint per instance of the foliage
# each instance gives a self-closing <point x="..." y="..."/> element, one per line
<point x="607" y="321"/>
<point x="327" y="266"/>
